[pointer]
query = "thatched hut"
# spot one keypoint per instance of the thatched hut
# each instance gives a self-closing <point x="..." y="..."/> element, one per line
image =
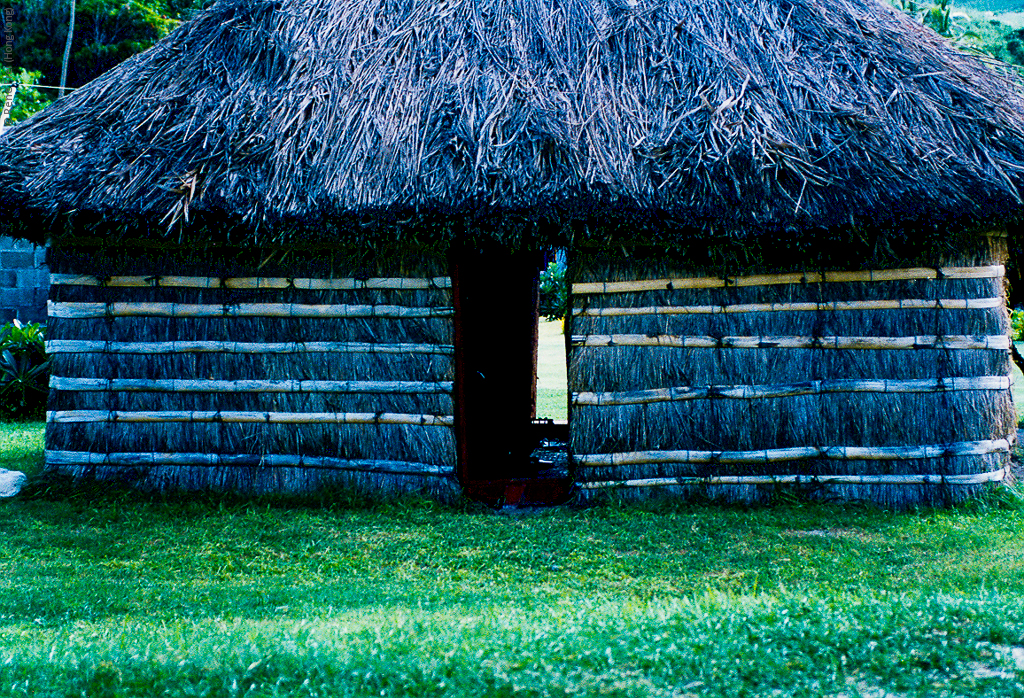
<point x="294" y="240"/>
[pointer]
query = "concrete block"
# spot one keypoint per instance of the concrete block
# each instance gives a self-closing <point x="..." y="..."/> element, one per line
<point x="8" y="278"/>
<point x="16" y="259"/>
<point x="32" y="278"/>
<point x="15" y="297"/>
<point x="26" y="277"/>
<point x="32" y="314"/>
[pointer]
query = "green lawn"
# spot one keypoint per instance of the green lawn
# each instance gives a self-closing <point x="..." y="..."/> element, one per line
<point x="551" y="371"/>
<point x="21" y="446"/>
<point x="106" y="593"/>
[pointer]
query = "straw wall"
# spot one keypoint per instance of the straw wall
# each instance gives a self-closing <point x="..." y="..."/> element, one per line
<point x="885" y="383"/>
<point x="275" y="371"/>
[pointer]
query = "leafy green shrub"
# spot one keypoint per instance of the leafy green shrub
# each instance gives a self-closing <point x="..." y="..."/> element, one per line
<point x="553" y="291"/>
<point x="24" y="370"/>
<point x="970" y="29"/>
<point x="1014" y="47"/>
<point x="937" y="16"/>
<point x="27" y="100"/>
<point x="1017" y="324"/>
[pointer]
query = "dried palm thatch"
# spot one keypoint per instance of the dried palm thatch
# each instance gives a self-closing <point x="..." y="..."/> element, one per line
<point x="889" y="385"/>
<point x="265" y="121"/>
<point x="182" y="391"/>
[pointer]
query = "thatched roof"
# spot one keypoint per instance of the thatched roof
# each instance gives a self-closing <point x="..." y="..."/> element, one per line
<point x="735" y="115"/>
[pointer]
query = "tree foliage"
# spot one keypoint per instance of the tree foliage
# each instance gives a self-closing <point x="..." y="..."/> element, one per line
<point x="938" y="16"/>
<point x="27" y="100"/>
<point x="106" y="33"/>
<point x="554" y="291"/>
<point x="971" y="31"/>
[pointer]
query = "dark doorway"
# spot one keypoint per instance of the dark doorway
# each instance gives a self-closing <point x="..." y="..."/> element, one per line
<point x="495" y="294"/>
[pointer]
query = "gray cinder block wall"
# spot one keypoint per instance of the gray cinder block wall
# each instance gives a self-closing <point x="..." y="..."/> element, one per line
<point x="24" y="281"/>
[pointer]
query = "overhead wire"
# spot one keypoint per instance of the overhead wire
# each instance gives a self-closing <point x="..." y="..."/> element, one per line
<point x="6" y="85"/>
<point x="11" y="88"/>
<point x="8" y="103"/>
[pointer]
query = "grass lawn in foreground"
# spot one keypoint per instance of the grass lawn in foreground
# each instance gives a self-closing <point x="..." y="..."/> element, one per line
<point x="552" y="377"/>
<point x="21" y="446"/>
<point x="108" y="593"/>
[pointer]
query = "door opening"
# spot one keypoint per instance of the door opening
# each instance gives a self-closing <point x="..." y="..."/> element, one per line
<point x="552" y="367"/>
<point x="496" y="299"/>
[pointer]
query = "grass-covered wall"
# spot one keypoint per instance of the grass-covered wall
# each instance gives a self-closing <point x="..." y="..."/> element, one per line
<point x="256" y="371"/>
<point x="854" y="382"/>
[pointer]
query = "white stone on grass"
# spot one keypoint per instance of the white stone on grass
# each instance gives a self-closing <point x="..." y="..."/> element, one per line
<point x="11" y="482"/>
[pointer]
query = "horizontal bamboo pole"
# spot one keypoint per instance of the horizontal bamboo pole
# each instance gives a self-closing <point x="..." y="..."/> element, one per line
<point x="253" y="283"/>
<point x="85" y="311"/>
<point x="778" y="455"/>
<point x="1001" y="342"/>
<point x="930" y="479"/>
<point x="831" y="306"/>
<point x="993" y="271"/>
<point x="821" y="387"/>
<point x="76" y="346"/>
<point x="226" y="460"/>
<point x="180" y="385"/>
<point x="228" y="417"/>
